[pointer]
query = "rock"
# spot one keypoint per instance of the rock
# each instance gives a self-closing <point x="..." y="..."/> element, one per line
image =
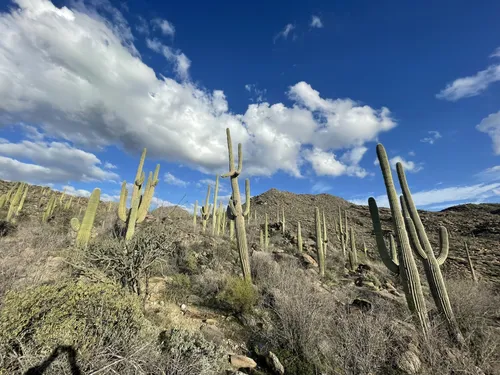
<point x="409" y="363"/>
<point x="274" y="364"/>
<point x="238" y="361"/>
<point x="363" y="268"/>
<point x="308" y="260"/>
<point x="213" y="334"/>
<point x="183" y="307"/>
<point x="362" y="305"/>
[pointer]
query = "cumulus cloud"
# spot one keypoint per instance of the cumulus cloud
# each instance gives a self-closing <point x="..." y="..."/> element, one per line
<point x="490" y="174"/>
<point x="408" y="165"/>
<point x="450" y="195"/>
<point x="326" y="164"/>
<point x="50" y="162"/>
<point x="434" y="135"/>
<point x="258" y="95"/>
<point x="284" y="32"/>
<point x="472" y="85"/>
<point x="108" y="165"/>
<point x="170" y="179"/>
<point x="78" y="76"/>
<point x="316" y="22"/>
<point x="491" y="126"/>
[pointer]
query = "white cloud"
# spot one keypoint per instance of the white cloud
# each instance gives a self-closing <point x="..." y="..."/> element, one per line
<point x="284" y="32"/>
<point x="142" y="26"/>
<point x="434" y="135"/>
<point x="167" y="28"/>
<point x="320" y="187"/>
<point x="408" y="165"/>
<point x="52" y="162"/>
<point x="108" y="165"/>
<point x="316" y="22"/>
<point x="326" y="164"/>
<point x="451" y="195"/>
<point x="79" y="77"/>
<point x="177" y="58"/>
<point x="170" y="179"/>
<point x="472" y="85"/>
<point x="491" y="126"/>
<point x="490" y="174"/>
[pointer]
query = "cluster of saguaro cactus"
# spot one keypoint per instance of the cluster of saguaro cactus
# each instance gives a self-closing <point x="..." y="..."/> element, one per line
<point x="85" y="228"/>
<point x="16" y="201"/>
<point x="139" y="204"/>
<point x="406" y="265"/>
<point x="236" y="208"/>
<point x="407" y="224"/>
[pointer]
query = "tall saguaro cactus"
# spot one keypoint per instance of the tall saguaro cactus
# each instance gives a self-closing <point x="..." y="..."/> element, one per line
<point x="139" y="204"/>
<point x="426" y="253"/>
<point x="85" y="228"/>
<point x="407" y="267"/>
<point x="49" y="209"/>
<point x="214" y="210"/>
<point x="353" y="253"/>
<point x="319" y="244"/>
<point x="299" y="238"/>
<point x="17" y="201"/>
<point x="205" y="210"/>
<point x="237" y="208"/>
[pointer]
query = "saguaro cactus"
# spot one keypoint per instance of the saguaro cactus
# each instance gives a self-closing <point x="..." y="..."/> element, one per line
<point x="85" y="228"/>
<point x="266" y="233"/>
<point x="426" y="253"/>
<point x="407" y="268"/>
<point x="325" y="235"/>
<point x="49" y="209"/>
<point x="214" y="211"/>
<point x="139" y="204"/>
<point x="237" y="208"/>
<point x="319" y="244"/>
<point x="205" y="210"/>
<point x="343" y="233"/>
<point x="16" y="202"/>
<point x="299" y="238"/>
<point x="469" y="263"/>
<point x="353" y="254"/>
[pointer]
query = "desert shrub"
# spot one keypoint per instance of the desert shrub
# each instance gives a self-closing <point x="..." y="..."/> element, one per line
<point x="208" y="284"/>
<point x="178" y="288"/>
<point x="238" y="295"/>
<point x="188" y="353"/>
<point x="7" y="228"/>
<point x="131" y="263"/>
<point x="90" y="317"/>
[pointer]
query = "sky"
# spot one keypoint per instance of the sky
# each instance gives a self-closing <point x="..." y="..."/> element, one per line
<point x="307" y="88"/>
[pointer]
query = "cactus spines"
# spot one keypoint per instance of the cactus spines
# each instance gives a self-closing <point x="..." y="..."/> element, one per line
<point x="431" y="263"/>
<point x="85" y="228"/>
<point x="214" y="213"/>
<point x="237" y="209"/>
<point x="299" y="238"/>
<point x="469" y="263"/>
<point x="205" y="210"/>
<point x="353" y="255"/>
<point x="407" y="265"/>
<point x="319" y="244"/>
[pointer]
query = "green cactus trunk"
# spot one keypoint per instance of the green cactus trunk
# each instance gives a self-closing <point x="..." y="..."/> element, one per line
<point x="237" y="209"/>
<point x="266" y="234"/>
<point x="85" y="228"/>
<point x="353" y="255"/>
<point x="469" y="263"/>
<point x="14" y="203"/>
<point x="214" y="213"/>
<point x="319" y="244"/>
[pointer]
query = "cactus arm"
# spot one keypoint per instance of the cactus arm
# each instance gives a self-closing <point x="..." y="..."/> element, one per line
<point x="386" y="257"/>
<point x="231" y="206"/>
<point x="233" y="172"/>
<point x="394" y="250"/>
<point x="444" y="245"/>
<point x="122" y="205"/>
<point x="412" y="232"/>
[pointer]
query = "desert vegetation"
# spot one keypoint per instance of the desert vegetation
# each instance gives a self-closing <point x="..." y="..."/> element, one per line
<point x="274" y="284"/>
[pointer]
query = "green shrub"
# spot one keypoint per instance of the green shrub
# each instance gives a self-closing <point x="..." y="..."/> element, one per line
<point x="238" y="295"/>
<point x="179" y="287"/>
<point x="79" y="314"/>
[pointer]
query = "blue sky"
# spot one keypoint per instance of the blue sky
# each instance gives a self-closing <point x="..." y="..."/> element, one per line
<point x="308" y="89"/>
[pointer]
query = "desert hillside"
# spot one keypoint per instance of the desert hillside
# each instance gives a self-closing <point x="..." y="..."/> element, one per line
<point x="172" y="299"/>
